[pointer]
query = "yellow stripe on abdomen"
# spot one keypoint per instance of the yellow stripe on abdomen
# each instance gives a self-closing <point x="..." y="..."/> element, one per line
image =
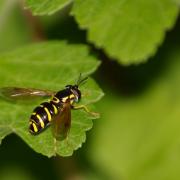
<point x="48" y="114"/>
<point x="40" y="120"/>
<point x="55" y="109"/>
<point x="35" y="127"/>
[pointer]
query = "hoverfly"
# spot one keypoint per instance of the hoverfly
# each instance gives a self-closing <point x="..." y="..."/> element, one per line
<point x="55" y="112"/>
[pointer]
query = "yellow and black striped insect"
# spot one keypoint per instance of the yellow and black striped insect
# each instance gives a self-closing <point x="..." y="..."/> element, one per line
<point x="56" y="112"/>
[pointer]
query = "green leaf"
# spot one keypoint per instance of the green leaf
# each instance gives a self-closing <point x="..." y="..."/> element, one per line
<point x="48" y="66"/>
<point x="129" y="31"/>
<point x="48" y="7"/>
<point x="139" y="138"/>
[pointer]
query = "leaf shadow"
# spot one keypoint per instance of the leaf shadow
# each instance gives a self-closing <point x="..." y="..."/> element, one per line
<point x="65" y="28"/>
<point x="15" y="152"/>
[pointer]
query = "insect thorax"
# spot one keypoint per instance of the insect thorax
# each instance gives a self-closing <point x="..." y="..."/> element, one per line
<point x="63" y="96"/>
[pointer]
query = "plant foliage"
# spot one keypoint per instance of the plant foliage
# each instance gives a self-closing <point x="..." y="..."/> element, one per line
<point x="136" y="42"/>
<point x="129" y="31"/>
<point x="48" y="66"/>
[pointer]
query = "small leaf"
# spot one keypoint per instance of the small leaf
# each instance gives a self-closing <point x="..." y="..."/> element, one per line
<point x="48" y="7"/>
<point x="48" y="66"/>
<point x="129" y="31"/>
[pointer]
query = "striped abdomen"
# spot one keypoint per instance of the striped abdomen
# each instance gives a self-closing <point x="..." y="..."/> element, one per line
<point x="42" y="115"/>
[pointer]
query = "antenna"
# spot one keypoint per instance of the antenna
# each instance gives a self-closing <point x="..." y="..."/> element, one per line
<point x="81" y="80"/>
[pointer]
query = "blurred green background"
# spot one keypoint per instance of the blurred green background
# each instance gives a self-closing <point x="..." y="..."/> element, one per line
<point x="138" y="134"/>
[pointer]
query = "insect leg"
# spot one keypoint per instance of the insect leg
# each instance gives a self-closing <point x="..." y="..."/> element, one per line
<point x="76" y="107"/>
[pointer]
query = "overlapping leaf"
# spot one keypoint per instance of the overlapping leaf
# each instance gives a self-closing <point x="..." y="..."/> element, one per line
<point x="129" y="31"/>
<point x="49" y="66"/>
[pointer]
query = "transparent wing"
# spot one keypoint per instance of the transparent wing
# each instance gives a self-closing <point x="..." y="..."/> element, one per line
<point x="16" y="93"/>
<point x="61" y="123"/>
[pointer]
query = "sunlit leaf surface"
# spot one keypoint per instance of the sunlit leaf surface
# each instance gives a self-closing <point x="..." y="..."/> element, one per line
<point x="129" y="31"/>
<point x="48" y="66"/>
<point x="42" y="7"/>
